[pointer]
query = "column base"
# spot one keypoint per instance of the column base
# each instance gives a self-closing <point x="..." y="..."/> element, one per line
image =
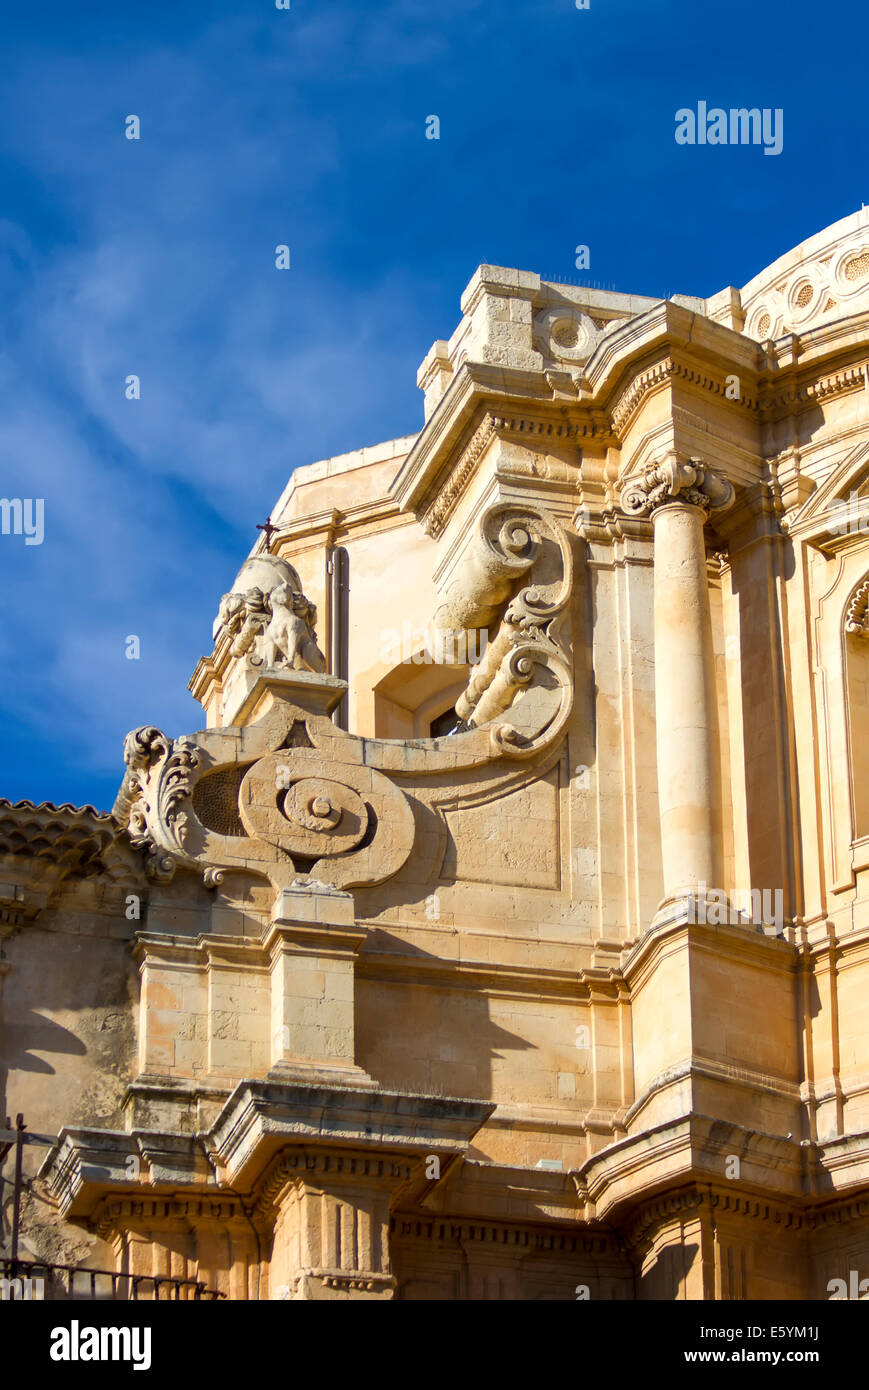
<point x="321" y="1074"/>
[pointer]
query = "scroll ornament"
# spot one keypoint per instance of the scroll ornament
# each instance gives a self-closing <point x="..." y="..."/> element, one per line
<point x="156" y="788"/>
<point x="527" y="650"/>
<point x="673" y="480"/>
<point x="349" y="823"/>
<point x="344" y="823"/>
<point x="857" y="612"/>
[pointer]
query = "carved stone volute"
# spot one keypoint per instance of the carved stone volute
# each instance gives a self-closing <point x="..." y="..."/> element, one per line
<point x="513" y="541"/>
<point x="675" y="480"/>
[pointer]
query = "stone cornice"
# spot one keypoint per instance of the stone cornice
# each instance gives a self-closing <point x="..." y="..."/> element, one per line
<point x="317" y="1168"/>
<point x="794" y="390"/>
<point x="444" y="457"/>
<point x="258" y="1122"/>
<point x="623" y="1176"/>
<point x="662" y="373"/>
<point x="601" y="401"/>
<point x="261" y="1117"/>
<point x="720" y="1204"/>
<point x="503" y="981"/>
<point x="667" y="327"/>
<point x="521" y="1237"/>
<point x="444" y="431"/>
<point x="709" y="1069"/>
<point x="525" y="429"/>
<point x="520" y="403"/>
<point x="584" y="985"/>
<point x="731" y="941"/>
<point x="337" y="525"/>
<point x="437" y="515"/>
<point x="200" y="952"/>
<point x="126" y="1213"/>
<point x="711" y="1202"/>
<point x="812" y="1183"/>
<point x="86" y="1163"/>
<point x="773" y="377"/>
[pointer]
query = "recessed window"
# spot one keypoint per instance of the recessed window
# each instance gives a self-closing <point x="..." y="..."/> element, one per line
<point x="444" y="724"/>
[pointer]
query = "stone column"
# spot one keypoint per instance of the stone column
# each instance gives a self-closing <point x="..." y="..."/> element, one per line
<point x="680" y="496"/>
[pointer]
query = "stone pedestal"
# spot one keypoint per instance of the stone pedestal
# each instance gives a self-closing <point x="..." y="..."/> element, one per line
<point x="312" y="945"/>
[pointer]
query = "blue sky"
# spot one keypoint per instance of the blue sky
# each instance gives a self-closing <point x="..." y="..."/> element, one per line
<point x="307" y="127"/>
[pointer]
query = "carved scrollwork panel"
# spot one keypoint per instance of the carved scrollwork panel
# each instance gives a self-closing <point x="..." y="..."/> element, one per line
<point x="154" y="794"/>
<point x="354" y="822"/>
<point x="528" y="656"/>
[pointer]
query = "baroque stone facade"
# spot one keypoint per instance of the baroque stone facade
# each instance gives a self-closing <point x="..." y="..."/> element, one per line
<point x="505" y="933"/>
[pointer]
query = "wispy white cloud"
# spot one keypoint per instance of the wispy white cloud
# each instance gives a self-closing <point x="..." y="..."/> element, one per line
<point x="165" y="269"/>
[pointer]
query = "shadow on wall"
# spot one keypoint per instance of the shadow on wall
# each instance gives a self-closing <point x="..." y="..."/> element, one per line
<point x="73" y="999"/>
<point x="772" y="820"/>
<point x="667" y="1277"/>
<point x="419" y="1037"/>
<point x="31" y="1034"/>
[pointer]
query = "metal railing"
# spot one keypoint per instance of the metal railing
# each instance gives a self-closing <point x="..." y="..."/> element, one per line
<point x="42" y="1279"/>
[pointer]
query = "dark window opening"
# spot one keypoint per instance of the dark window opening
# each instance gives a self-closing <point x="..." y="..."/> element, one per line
<point x="446" y="723"/>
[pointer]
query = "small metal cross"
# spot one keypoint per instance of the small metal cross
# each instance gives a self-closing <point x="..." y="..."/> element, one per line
<point x="269" y="531"/>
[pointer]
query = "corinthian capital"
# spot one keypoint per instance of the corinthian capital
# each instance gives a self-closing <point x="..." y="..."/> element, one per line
<point x="672" y="480"/>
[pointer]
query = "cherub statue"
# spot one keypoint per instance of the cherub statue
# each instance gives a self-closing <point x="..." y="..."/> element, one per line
<point x="289" y="636"/>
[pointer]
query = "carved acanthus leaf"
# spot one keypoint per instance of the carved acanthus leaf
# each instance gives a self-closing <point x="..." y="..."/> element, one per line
<point x="154" y="793"/>
<point x="672" y="480"/>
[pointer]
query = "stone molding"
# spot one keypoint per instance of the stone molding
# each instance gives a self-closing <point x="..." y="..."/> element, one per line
<point x="717" y="1202"/>
<point x="776" y="399"/>
<point x="665" y="371"/>
<point x="689" y="1148"/>
<point x="261" y="1117"/>
<point x="446" y="499"/>
<point x="115" y="1214"/>
<point x="515" y="1235"/>
<point x="262" y="1124"/>
<point x="332" y="1168"/>
<point x="448" y="491"/>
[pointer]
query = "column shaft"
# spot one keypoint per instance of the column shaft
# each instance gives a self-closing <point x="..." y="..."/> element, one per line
<point x="686" y="710"/>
